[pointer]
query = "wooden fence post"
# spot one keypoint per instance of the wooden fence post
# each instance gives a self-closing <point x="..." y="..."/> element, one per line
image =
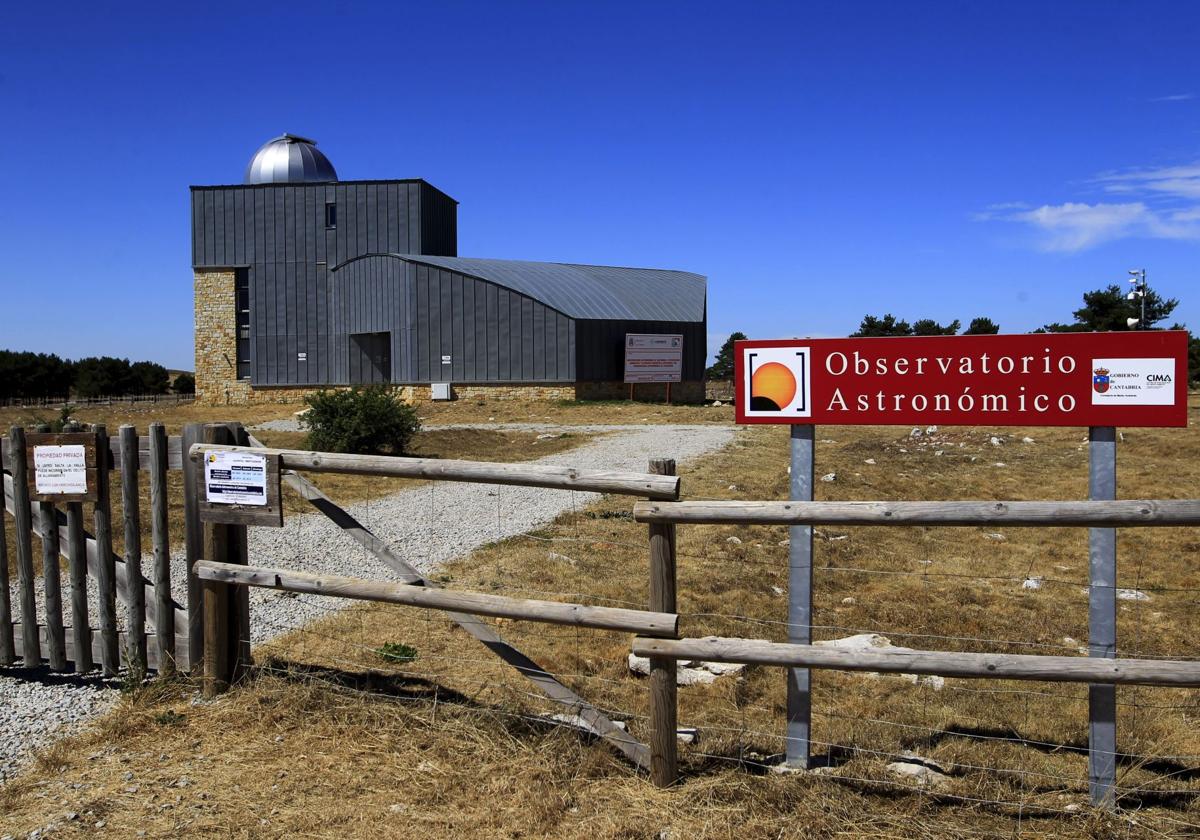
<point x="663" y="688"/>
<point x="194" y="538"/>
<point x="159" y="524"/>
<point x="110" y="654"/>
<point x="8" y="653"/>
<point x="31" y="646"/>
<point x="226" y="609"/>
<point x="135" y="585"/>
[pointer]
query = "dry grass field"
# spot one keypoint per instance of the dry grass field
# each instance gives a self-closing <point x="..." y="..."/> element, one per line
<point x="332" y="739"/>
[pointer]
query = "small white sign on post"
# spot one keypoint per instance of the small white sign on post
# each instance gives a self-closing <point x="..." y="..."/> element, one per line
<point x="653" y="358"/>
<point x="60" y="469"/>
<point x="235" y="478"/>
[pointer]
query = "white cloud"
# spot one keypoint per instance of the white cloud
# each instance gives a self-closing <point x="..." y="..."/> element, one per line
<point x="1174" y="97"/>
<point x="1173" y="181"/>
<point x="1074" y="227"/>
<point x="1162" y="205"/>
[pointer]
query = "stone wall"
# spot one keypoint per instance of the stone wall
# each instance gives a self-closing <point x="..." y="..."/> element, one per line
<point x="216" y="339"/>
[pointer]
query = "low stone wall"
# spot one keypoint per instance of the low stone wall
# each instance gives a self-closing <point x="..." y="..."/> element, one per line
<point x="240" y="392"/>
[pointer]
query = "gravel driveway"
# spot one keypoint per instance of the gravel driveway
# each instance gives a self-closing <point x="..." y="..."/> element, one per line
<point x="426" y="525"/>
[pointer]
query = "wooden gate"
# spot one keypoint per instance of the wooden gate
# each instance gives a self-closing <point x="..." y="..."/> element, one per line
<point x="117" y="615"/>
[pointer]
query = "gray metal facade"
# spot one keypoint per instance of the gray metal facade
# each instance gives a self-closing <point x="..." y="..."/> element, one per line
<point x="278" y="231"/>
<point x="382" y="289"/>
<point x="448" y="327"/>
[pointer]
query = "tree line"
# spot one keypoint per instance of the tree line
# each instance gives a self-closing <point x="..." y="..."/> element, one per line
<point x="1103" y="310"/>
<point x="26" y="375"/>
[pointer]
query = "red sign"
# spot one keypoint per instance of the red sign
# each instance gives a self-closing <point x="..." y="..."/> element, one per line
<point x="1055" y="379"/>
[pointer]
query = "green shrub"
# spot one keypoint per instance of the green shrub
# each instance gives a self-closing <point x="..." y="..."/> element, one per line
<point x="397" y="652"/>
<point x="368" y="420"/>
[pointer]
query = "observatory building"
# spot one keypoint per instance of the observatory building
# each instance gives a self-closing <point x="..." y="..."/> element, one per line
<point x="303" y="281"/>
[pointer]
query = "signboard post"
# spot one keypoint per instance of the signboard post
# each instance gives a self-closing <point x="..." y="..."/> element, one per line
<point x="64" y="466"/>
<point x="1097" y="380"/>
<point x="240" y="488"/>
<point x="651" y="357"/>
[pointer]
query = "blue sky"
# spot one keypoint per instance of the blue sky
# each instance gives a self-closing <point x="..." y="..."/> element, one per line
<point x="816" y="161"/>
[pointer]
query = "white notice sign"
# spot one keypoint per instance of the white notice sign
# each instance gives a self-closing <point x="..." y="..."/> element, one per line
<point x="235" y="478"/>
<point x="60" y="469"/>
<point x="1133" y="381"/>
<point x="653" y="358"/>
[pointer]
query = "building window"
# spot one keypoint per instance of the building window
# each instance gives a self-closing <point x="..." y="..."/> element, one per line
<point x="242" y="287"/>
<point x="330" y="215"/>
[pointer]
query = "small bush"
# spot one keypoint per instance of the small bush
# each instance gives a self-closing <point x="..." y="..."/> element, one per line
<point x="397" y="652"/>
<point x="368" y="420"/>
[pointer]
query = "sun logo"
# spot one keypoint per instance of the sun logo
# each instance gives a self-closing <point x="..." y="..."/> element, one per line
<point x="775" y="381"/>
<point x="772" y="386"/>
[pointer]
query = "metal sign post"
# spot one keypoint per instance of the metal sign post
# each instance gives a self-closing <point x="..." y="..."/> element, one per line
<point x="1102" y="618"/>
<point x="800" y="580"/>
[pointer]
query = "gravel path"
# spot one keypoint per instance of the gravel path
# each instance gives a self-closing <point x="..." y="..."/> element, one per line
<point x="426" y="525"/>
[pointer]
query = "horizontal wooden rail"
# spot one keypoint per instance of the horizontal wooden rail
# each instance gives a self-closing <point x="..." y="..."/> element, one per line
<point x="174" y="451"/>
<point x="940" y="663"/>
<point x="182" y="658"/>
<point x="552" y="612"/>
<point x="483" y="472"/>
<point x="1141" y="512"/>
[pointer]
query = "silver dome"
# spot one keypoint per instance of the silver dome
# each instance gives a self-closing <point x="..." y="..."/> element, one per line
<point x="289" y="159"/>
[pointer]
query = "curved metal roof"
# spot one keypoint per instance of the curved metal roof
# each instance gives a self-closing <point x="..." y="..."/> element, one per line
<point x="589" y="291"/>
<point x="288" y="159"/>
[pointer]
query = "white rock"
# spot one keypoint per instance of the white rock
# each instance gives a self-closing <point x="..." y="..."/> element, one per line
<point x="849" y="601"/>
<point x="860" y="641"/>
<point x="931" y="430"/>
<point x="999" y="464"/>
<point x="1032" y="583"/>
<point x="733" y="487"/>
<point x="717" y="403"/>
<point x="939" y="452"/>
<point x="919" y="773"/>
<point x="1132" y="595"/>
<point x="785" y="542"/>
<point x="915" y="433"/>
<point x="733" y="540"/>
<point x="689" y="672"/>
<point x="776" y="590"/>
<point x="869" y="461"/>
<point x="829" y="477"/>
<point x="546" y="436"/>
<point x="996" y="441"/>
<point x="995" y="536"/>
<point x="1026" y="440"/>
<point x="929" y="681"/>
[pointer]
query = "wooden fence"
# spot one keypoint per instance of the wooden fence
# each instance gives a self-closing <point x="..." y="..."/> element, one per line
<point x="225" y="574"/>
<point x="158" y="633"/>
<point x="663" y="517"/>
<point x="78" y="402"/>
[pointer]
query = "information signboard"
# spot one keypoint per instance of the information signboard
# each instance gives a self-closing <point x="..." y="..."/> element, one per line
<point x="62" y="466"/>
<point x="1043" y="379"/>
<point x="240" y="488"/>
<point x="653" y="357"/>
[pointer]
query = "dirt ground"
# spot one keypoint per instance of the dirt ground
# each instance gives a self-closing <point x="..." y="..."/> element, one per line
<point x="334" y="739"/>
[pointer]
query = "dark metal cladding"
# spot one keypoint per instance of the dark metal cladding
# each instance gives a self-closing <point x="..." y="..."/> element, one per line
<point x="359" y="281"/>
<point x="289" y="159"/>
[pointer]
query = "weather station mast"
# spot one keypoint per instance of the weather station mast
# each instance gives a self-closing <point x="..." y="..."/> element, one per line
<point x="1138" y="279"/>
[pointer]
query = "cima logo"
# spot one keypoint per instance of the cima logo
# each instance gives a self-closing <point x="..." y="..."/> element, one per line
<point x="1100" y="381"/>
